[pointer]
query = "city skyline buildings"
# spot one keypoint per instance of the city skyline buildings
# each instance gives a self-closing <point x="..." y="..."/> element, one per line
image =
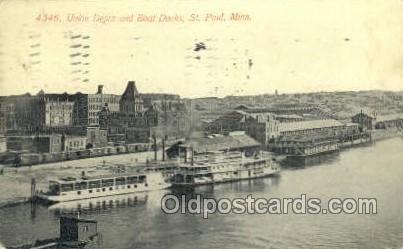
<point x="350" y="49"/>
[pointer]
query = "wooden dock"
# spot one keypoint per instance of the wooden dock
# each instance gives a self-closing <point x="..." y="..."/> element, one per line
<point x="308" y="146"/>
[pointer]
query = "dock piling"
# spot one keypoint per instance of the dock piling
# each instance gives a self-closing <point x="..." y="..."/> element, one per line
<point x="33" y="189"/>
<point x="163" y="149"/>
<point x="155" y="147"/>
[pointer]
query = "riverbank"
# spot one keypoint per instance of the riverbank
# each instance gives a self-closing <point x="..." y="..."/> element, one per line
<point x="362" y="172"/>
<point x="15" y="183"/>
<point x="381" y="134"/>
<point x="28" y="159"/>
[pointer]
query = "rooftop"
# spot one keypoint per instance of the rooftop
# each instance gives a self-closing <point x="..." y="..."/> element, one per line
<point x="77" y="220"/>
<point x="310" y="124"/>
<point x="389" y="117"/>
<point x="97" y="174"/>
<point x="235" y="116"/>
<point x="131" y="91"/>
<point x="220" y="142"/>
<point x="289" y="116"/>
<point x="368" y="113"/>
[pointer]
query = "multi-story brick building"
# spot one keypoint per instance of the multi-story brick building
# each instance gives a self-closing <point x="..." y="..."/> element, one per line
<point x="96" y="137"/>
<point x="58" y="113"/>
<point x="262" y="128"/>
<point x="126" y="116"/>
<point x="163" y="101"/>
<point x="35" y="144"/>
<point x="29" y="113"/>
<point x="311" y="127"/>
<point x="131" y="104"/>
<point x="74" y="143"/>
<point x="162" y="115"/>
<point x="7" y="115"/>
<point x="58" y="109"/>
<point x="228" y="122"/>
<point x="364" y="120"/>
<point x="266" y="127"/>
<point x="88" y="106"/>
<point x="33" y="114"/>
<point x="3" y="144"/>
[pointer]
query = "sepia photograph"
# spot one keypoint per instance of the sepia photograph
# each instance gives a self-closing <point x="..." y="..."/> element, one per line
<point x="156" y="124"/>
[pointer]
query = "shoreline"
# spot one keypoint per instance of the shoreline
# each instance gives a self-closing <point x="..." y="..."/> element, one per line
<point x="18" y="172"/>
<point x="13" y="203"/>
<point x="49" y="158"/>
<point x="378" y="135"/>
<point x="15" y="182"/>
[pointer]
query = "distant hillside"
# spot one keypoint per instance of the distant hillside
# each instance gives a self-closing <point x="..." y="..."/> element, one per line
<point x="341" y="104"/>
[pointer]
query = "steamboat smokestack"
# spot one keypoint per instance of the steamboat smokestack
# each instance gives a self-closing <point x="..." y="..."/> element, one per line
<point x="163" y="149"/>
<point x="155" y="147"/>
<point x="193" y="153"/>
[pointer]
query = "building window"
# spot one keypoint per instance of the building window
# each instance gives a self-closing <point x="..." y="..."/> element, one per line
<point x="90" y="191"/>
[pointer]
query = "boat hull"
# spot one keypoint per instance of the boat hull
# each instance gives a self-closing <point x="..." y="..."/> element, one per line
<point x="101" y="192"/>
<point x="268" y="172"/>
<point x="94" y="203"/>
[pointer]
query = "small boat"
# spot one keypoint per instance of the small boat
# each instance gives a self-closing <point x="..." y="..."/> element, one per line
<point x="74" y="233"/>
<point x="202" y="180"/>
<point x="85" y="187"/>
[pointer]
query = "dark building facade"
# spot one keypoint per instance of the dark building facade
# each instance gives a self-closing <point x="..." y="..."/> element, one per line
<point x="125" y="118"/>
<point x="33" y="114"/>
<point x="389" y="121"/>
<point x="3" y="144"/>
<point x="57" y="109"/>
<point x="7" y="115"/>
<point x="30" y="113"/>
<point x="161" y="115"/>
<point x="88" y="106"/>
<point x="130" y="103"/>
<point x="77" y="230"/>
<point x="96" y="137"/>
<point x="229" y="122"/>
<point x="35" y="144"/>
<point x="364" y="121"/>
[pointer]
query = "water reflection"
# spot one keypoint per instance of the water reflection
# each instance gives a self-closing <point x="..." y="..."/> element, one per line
<point x="137" y="221"/>
<point x="259" y="185"/>
<point x="101" y="204"/>
<point x="305" y="162"/>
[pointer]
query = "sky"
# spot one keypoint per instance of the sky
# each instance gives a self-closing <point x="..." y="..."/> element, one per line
<point x="291" y="46"/>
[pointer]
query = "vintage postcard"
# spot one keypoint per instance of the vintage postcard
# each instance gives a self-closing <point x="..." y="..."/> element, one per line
<point x="201" y="124"/>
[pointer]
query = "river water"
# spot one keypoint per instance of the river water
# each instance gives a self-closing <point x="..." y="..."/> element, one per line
<point x="137" y="221"/>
